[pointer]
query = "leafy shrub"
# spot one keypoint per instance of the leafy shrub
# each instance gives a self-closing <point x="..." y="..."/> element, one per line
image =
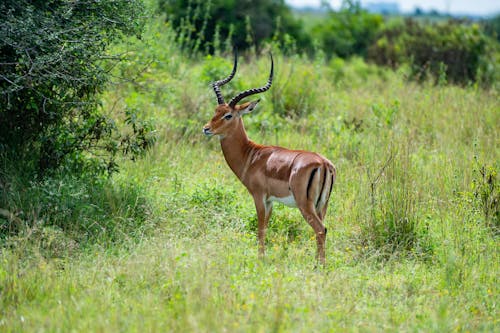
<point x="214" y="198"/>
<point x="385" y="114"/>
<point x="389" y="47"/>
<point x="491" y="27"/>
<point x="297" y="95"/>
<point x="209" y="25"/>
<point x="74" y="210"/>
<point x="354" y="71"/>
<point x="349" y="31"/>
<point x="216" y="68"/>
<point x="453" y="51"/>
<point x="53" y="64"/>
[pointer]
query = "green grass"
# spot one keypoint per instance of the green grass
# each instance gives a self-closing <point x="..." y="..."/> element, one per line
<point x="169" y="244"/>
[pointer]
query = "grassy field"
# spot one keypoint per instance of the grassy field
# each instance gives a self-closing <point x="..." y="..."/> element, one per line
<point x="169" y="243"/>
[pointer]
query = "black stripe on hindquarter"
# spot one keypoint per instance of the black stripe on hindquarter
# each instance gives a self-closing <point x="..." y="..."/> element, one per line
<point x="331" y="187"/>
<point x="334" y="173"/>
<point x="311" y="177"/>
<point x="322" y="188"/>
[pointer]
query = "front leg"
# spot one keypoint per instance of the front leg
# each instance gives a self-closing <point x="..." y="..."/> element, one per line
<point x="264" y="209"/>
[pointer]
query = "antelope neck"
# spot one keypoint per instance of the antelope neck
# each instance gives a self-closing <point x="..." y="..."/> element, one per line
<point x="237" y="150"/>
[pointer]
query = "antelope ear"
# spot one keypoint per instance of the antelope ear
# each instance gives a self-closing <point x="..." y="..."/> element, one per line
<point x="246" y="107"/>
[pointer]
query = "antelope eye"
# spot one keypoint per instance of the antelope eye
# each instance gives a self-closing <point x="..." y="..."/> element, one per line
<point x="228" y="116"/>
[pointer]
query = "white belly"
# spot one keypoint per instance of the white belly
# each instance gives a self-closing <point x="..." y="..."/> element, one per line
<point x="288" y="201"/>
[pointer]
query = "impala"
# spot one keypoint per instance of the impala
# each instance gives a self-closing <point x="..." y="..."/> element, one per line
<point x="296" y="178"/>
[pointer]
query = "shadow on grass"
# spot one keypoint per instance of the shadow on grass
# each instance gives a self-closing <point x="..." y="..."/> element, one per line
<point x="65" y="212"/>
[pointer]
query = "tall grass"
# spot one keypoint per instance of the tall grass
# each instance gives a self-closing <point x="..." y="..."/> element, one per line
<point x="394" y="224"/>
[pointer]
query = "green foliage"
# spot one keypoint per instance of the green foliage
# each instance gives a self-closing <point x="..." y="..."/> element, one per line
<point x="141" y="138"/>
<point x="54" y="64"/>
<point x="486" y="192"/>
<point x="218" y="25"/>
<point x="294" y="95"/>
<point x="394" y="225"/>
<point x="349" y="31"/>
<point x="78" y="210"/>
<point x="389" y="46"/>
<point x="451" y="51"/>
<point x="385" y="115"/>
<point x="491" y="27"/>
<point x="215" y="68"/>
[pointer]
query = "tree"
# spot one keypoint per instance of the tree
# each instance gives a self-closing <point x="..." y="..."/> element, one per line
<point x="455" y="50"/>
<point x="53" y="64"/>
<point x="491" y="26"/>
<point x="349" y="31"/>
<point x="246" y="23"/>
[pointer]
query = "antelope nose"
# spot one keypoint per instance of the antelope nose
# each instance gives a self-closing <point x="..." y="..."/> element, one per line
<point x="206" y="130"/>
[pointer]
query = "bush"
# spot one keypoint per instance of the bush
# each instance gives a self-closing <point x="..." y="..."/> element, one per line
<point x="349" y="31"/>
<point x="53" y="65"/>
<point x="453" y="51"/>
<point x="211" y="26"/>
<point x="296" y="96"/>
<point x="491" y="27"/>
<point x="389" y="47"/>
<point x="81" y="210"/>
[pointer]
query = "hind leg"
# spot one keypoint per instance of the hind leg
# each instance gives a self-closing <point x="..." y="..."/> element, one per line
<point x="323" y="204"/>
<point x="310" y="215"/>
<point x="306" y="195"/>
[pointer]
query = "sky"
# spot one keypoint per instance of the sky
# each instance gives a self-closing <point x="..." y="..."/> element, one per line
<point x="476" y="7"/>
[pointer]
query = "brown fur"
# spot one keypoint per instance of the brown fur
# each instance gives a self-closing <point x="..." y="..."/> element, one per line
<point x="270" y="172"/>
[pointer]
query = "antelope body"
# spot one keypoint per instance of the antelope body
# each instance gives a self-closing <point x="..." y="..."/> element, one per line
<point x="296" y="178"/>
